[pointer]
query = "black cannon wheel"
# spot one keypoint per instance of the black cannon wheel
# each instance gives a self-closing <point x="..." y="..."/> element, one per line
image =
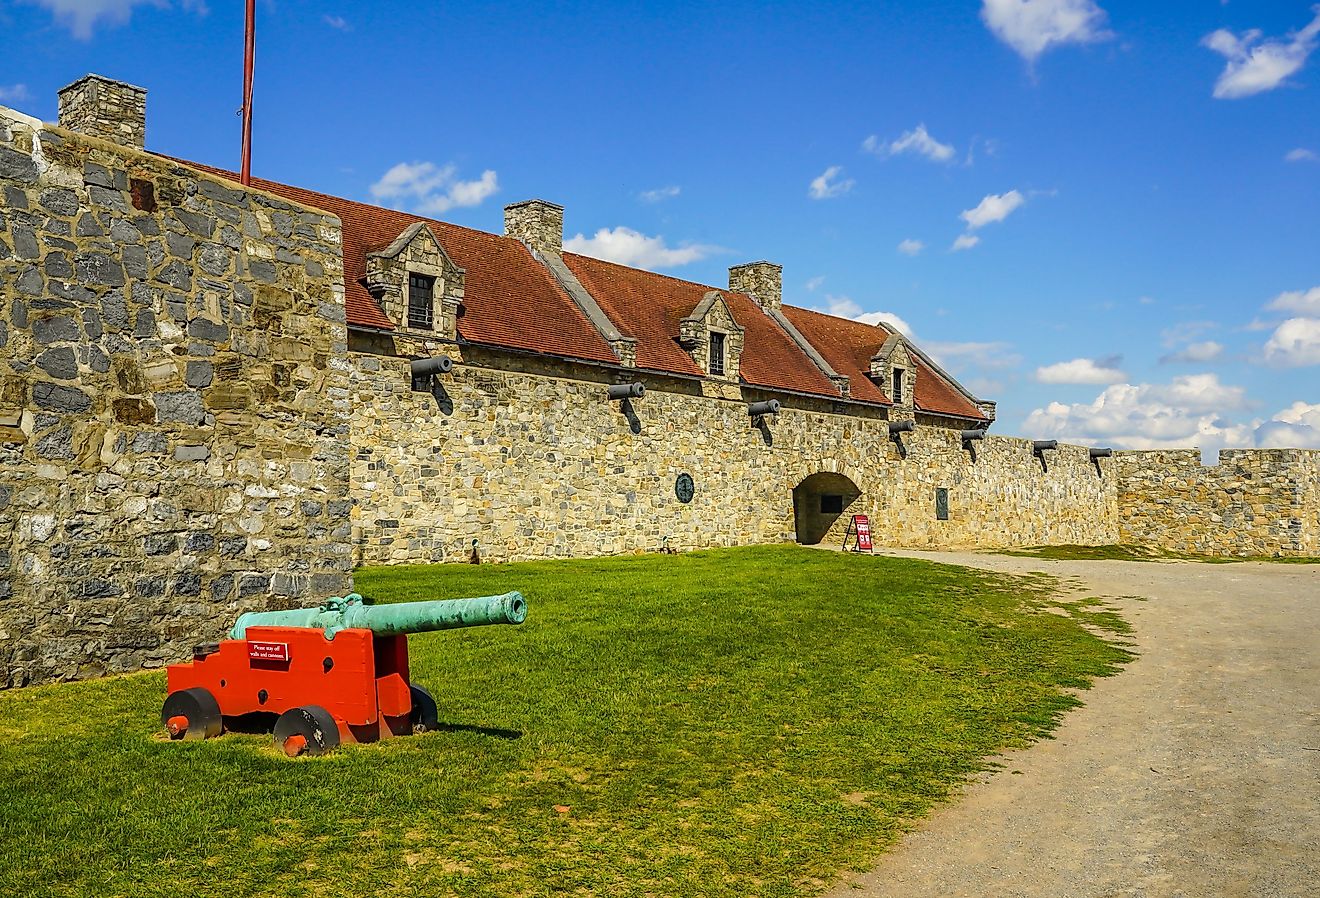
<point x="310" y="729"/>
<point x="192" y="714"/>
<point x="425" y="715"/>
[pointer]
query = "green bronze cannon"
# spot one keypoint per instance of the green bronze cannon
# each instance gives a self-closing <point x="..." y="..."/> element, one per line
<point x="337" y="672"/>
<point x="392" y="620"/>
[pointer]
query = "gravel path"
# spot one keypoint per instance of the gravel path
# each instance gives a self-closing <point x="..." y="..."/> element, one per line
<point x="1195" y="772"/>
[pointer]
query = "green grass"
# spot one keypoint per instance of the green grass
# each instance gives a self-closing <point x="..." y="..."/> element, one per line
<point x="1141" y="553"/>
<point x="732" y="722"/>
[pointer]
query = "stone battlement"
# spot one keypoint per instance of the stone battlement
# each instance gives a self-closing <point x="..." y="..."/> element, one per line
<point x="1254" y="502"/>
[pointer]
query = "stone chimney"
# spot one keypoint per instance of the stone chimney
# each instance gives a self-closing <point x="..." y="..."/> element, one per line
<point x="762" y="281"/>
<point x="538" y="224"/>
<point x="105" y="108"/>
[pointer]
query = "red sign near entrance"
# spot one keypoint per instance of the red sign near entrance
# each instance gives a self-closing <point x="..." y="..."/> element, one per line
<point x="862" y="525"/>
<point x="859" y="531"/>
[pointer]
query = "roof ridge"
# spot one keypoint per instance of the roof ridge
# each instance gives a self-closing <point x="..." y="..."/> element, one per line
<point x="668" y="277"/>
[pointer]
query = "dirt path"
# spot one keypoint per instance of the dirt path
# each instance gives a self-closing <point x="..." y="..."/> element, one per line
<point x="1195" y="772"/>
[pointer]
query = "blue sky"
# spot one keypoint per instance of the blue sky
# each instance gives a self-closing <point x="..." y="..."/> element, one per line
<point x="1105" y="215"/>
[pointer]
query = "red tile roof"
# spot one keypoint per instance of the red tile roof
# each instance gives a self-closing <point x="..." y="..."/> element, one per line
<point x="649" y="306"/>
<point x="848" y="346"/>
<point x="511" y="300"/>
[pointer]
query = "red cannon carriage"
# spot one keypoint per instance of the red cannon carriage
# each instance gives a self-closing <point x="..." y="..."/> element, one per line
<point x="334" y="673"/>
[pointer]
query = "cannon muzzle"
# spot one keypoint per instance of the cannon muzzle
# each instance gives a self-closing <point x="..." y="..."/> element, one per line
<point x="393" y="619"/>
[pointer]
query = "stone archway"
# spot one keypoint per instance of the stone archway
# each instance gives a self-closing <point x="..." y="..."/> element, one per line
<point x="818" y="501"/>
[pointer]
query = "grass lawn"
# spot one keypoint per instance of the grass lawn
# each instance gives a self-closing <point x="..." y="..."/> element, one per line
<point x="731" y="722"/>
<point x="1142" y="553"/>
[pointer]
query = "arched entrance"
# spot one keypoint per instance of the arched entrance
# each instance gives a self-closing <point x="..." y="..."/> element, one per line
<point x="819" y="501"/>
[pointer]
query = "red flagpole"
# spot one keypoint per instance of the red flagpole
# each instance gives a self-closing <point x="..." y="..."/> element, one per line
<point x="250" y="48"/>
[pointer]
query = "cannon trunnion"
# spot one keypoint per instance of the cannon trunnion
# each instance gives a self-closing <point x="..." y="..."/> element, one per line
<point x="337" y="673"/>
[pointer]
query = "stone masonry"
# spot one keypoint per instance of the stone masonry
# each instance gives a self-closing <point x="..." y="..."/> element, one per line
<point x="173" y="405"/>
<point x="533" y="464"/>
<point x="1254" y="502"/>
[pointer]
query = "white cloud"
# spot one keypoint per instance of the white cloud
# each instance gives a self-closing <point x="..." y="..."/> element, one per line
<point x="1294" y="344"/>
<point x="82" y="16"/>
<point x="1146" y="300"/>
<point x="428" y="189"/>
<point x="1296" y="427"/>
<point x="814" y="283"/>
<point x="918" y="141"/>
<point x="847" y="307"/>
<point x="1200" y="353"/>
<point x="1189" y="411"/>
<point x="337" y="22"/>
<point x="964" y="241"/>
<point x="910" y="247"/>
<point x="635" y="249"/>
<point x="1301" y="154"/>
<point x="14" y="93"/>
<point x="660" y="194"/>
<point x="1305" y="301"/>
<point x="829" y="185"/>
<point x="1254" y="65"/>
<point x="993" y="208"/>
<point x="1185" y="332"/>
<point x="1033" y="26"/>
<point x="1082" y="371"/>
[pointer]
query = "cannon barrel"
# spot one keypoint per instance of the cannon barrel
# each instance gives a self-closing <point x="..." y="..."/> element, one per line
<point x="1042" y="445"/>
<point x="902" y="427"/>
<point x="627" y="391"/>
<point x="1102" y="453"/>
<point x="974" y="434"/>
<point x="440" y="364"/>
<point x="768" y="407"/>
<point x="393" y="619"/>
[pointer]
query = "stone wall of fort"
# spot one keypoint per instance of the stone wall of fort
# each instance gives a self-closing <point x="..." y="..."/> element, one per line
<point x="173" y="405"/>
<point x="534" y="464"/>
<point x="1254" y="502"/>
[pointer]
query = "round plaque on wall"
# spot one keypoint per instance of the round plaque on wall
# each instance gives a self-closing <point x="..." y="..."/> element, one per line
<point x="684" y="488"/>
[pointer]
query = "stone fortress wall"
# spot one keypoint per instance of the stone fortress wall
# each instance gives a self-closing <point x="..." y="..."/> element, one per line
<point x="534" y="465"/>
<point x="173" y="408"/>
<point x="1254" y="502"/>
<point x="189" y="430"/>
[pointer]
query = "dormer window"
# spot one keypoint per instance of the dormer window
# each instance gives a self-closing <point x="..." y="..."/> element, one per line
<point x="892" y="369"/>
<point x="716" y="354"/>
<point x="416" y="283"/>
<point x="421" y="300"/>
<point x="713" y="338"/>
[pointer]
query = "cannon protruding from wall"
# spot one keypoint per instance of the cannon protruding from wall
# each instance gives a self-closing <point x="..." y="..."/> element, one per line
<point x="626" y="391"/>
<point x="974" y="434"/>
<point x="439" y="364"/>
<point x="1039" y="446"/>
<point x="1101" y="453"/>
<point x="768" y="407"/>
<point x="897" y="427"/>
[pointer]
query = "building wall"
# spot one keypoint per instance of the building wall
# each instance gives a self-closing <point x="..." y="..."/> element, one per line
<point x="173" y="405"/>
<point x="1254" y="502"/>
<point x="536" y="465"/>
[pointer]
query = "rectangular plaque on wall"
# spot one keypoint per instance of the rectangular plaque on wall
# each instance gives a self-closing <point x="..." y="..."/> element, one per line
<point x="941" y="504"/>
